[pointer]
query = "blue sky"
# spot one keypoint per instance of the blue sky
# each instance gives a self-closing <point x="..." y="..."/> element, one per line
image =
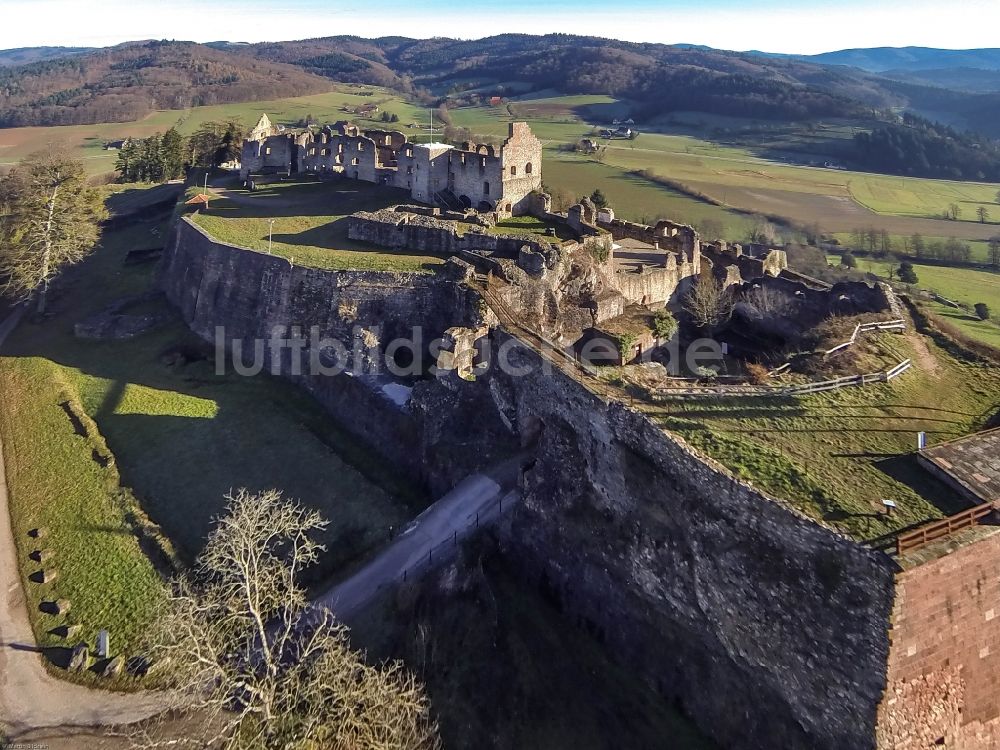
<point x="806" y="26"/>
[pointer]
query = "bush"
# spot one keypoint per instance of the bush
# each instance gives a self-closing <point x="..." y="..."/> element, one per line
<point x="847" y="260"/>
<point x="757" y="373"/>
<point x="982" y="310"/>
<point x="906" y="273"/>
<point x="665" y="324"/>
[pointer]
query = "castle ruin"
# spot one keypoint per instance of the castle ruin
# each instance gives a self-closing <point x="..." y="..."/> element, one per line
<point x="477" y="176"/>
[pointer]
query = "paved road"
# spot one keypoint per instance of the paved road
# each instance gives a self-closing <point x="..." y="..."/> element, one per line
<point x="31" y="698"/>
<point x="451" y="518"/>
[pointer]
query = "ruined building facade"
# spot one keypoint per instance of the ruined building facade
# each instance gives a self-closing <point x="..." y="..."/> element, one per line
<point x="479" y="176"/>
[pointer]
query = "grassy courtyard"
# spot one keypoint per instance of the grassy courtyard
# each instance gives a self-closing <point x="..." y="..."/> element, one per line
<point x="307" y="222"/>
<point x="101" y="436"/>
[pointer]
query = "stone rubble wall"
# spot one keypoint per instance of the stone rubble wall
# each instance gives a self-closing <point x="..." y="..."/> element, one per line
<point x="765" y="627"/>
<point x="768" y="628"/>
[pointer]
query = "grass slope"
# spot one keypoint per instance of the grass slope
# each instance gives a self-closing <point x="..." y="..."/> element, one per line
<point x="836" y="455"/>
<point x="178" y="437"/>
<point x="967" y="286"/>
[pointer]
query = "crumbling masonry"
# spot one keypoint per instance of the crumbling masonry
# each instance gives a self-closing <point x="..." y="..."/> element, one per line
<point x="479" y="176"/>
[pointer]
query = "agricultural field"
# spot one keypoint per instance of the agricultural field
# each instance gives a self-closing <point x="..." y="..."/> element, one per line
<point x="702" y="172"/>
<point x="741" y="182"/>
<point x="309" y="224"/>
<point x="966" y="286"/>
<point x="87" y="141"/>
<point x="105" y="438"/>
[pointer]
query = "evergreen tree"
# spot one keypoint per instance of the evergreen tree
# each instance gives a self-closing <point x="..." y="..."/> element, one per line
<point x="172" y="154"/>
<point x="127" y="161"/>
<point x="598" y="199"/>
<point x="150" y="160"/>
<point x="906" y="273"/>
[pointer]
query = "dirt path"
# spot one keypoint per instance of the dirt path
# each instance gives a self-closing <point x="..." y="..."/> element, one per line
<point x="31" y="698"/>
<point x="925" y="359"/>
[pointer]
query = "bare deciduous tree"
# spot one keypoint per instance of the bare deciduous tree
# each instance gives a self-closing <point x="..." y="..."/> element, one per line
<point x="48" y="220"/>
<point x="771" y="302"/>
<point x="709" y="303"/>
<point x="240" y="648"/>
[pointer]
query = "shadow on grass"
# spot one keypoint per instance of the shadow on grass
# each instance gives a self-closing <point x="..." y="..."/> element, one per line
<point x="184" y="437"/>
<point x="337" y="196"/>
<point x="906" y="470"/>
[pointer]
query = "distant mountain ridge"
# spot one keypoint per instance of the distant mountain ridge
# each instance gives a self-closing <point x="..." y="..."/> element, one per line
<point x="130" y="80"/>
<point x="26" y="55"/>
<point x="882" y="59"/>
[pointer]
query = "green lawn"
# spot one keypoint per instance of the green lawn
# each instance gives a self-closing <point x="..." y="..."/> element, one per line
<point x="836" y="455"/>
<point x="310" y="224"/>
<point x="530" y="226"/>
<point x="181" y="437"/>
<point x="55" y="483"/>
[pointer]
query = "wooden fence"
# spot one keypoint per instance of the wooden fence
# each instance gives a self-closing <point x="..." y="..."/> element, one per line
<point x="783" y="391"/>
<point x="897" y="324"/>
<point x="886" y="325"/>
<point x="938" y="529"/>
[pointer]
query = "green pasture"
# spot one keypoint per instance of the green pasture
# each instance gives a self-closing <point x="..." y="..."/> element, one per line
<point x="967" y="286"/>
<point x="836" y="455"/>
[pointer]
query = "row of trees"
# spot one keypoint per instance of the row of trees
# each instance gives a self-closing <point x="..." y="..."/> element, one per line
<point x="169" y="156"/>
<point x="952" y="250"/>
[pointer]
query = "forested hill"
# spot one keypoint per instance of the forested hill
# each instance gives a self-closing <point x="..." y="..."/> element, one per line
<point x="663" y="77"/>
<point x="129" y="81"/>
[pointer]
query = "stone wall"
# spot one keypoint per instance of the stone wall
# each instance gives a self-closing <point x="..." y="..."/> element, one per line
<point x="770" y="263"/>
<point x="944" y="663"/>
<point x="521" y="167"/>
<point x="679" y="238"/>
<point x="476" y="176"/>
<point x="482" y="176"/>
<point x="768" y="628"/>
<point x="249" y="294"/>
<point x="764" y="626"/>
<point x="272" y="155"/>
<point x="400" y="228"/>
<point x="651" y="285"/>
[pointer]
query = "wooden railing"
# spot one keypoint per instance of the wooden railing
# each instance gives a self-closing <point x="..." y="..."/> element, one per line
<point x="782" y="391"/>
<point x="938" y="529"/>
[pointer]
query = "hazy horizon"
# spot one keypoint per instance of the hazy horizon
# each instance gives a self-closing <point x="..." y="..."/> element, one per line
<point x="778" y="26"/>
